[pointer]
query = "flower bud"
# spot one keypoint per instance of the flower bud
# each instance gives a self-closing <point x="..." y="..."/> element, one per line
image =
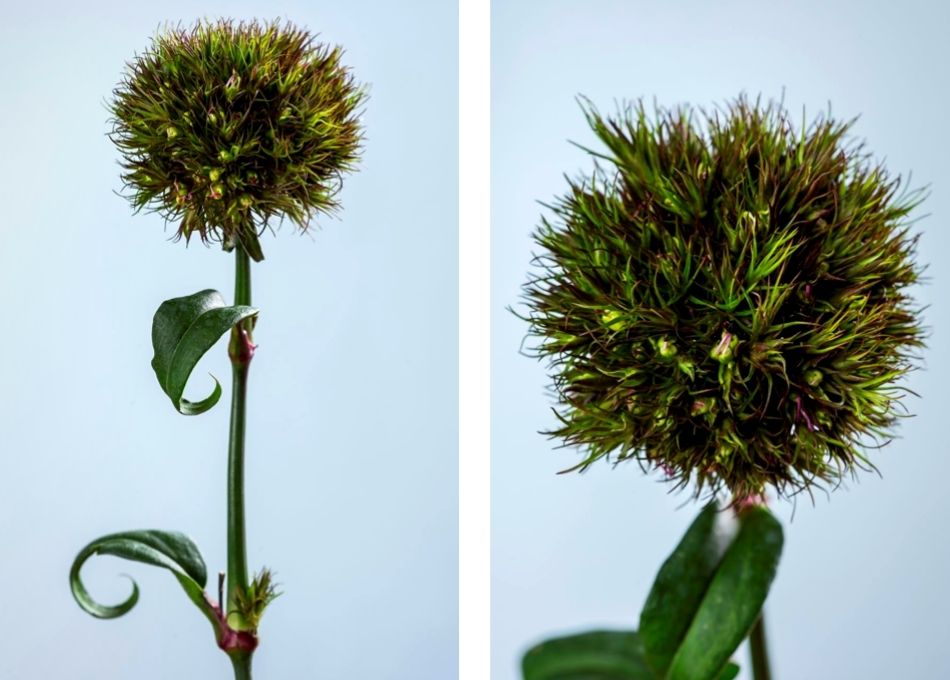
<point x="724" y="349"/>
<point x="233" y="86"/>
<point x="665" y="348"/>
<point x="703" y="406"/>
<point x="612" y="319"/>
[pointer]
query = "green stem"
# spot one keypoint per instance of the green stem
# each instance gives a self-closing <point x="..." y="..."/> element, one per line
<point x="759" y="650"/>
<point x="240" y="354"/>
<point x="242" y="666"/>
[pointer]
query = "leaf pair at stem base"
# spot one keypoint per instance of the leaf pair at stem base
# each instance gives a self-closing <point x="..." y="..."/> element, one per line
<point x="706" y="598"/>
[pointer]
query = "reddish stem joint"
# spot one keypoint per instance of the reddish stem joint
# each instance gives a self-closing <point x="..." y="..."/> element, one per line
<point x="229" y="639"/>
<point x="241" y="349"/>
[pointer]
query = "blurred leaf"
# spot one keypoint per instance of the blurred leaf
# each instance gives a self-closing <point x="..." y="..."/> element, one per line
<point x="734" y="599"/>
<point x="598" y="655"/>
<point x="729" y="672"/>
<point x="182" y="331"/>
<point x="170" y="550"/>
<point x="680" y="586"/>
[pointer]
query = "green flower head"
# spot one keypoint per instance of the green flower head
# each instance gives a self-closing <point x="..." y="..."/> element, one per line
<point x="726" y="298"/>
<point x="225" y="125"/>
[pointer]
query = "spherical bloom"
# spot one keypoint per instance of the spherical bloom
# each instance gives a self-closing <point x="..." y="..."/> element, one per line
<point x="726" y="298"/>
<point x="223" y="126"/>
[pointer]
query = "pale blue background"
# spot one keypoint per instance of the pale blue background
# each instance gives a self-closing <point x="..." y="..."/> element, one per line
<point x="863" y="589"/>
<point x="352" y="464"/>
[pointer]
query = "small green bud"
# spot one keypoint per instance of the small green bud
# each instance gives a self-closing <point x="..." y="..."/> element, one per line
<point x="217" y="191"/>
<point x="171" y="132"/>
<point x="233" y="85"/>
<point x="228" y="155"/>
<point x="724" y="453"/>
<point x="725" y="348"/>
<point x="813" y="377"/>
<point x="747" y="220"/>
<point x="245" y="201"/>
<point x="665" y="348"/>
<point x="662" y="419"/>
<point x="214" y="174"/>
<point x="611" y="319"/>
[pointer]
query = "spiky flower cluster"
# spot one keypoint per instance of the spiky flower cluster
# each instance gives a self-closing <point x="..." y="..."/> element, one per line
<point x="726" y="298"/>
<point x="223" y="126"/>
<point x="259" y="594"/>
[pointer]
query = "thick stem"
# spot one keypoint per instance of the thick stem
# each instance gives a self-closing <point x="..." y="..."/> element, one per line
<point x="759" y="650"/>
<point x="240" y="351"/>
<point x="242" y="666"/>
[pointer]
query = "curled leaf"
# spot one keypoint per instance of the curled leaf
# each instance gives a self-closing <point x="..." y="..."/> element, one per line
<point x="182" y="331"/>
<point x="167" y="549"/>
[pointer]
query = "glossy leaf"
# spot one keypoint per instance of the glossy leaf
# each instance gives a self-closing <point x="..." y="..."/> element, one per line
<point x="170" y="550"/>
<point x="680" y="586"/>
<point x="598" y="655"/>
<point x="182" y="331"/>
<point x="729" y="672"/>
<point x="733" y="600"/>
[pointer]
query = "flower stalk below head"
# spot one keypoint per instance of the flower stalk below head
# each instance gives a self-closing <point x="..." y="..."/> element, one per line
<point x="241" y="351"/>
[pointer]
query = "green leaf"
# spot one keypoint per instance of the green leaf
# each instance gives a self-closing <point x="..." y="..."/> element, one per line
<point x="598" y="655"/>
<point x="182" y="331"/>
<point x="708" y="594"/>
<point x="733" y="600"/>
<point x="729" y="672"/>
<point x="680" y="586"/>
<point x="167" y="549"/>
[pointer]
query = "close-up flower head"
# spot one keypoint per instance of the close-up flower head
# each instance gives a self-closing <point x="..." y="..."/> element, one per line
<point x="725" y="298"/>
<point x="224" y="125"/>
